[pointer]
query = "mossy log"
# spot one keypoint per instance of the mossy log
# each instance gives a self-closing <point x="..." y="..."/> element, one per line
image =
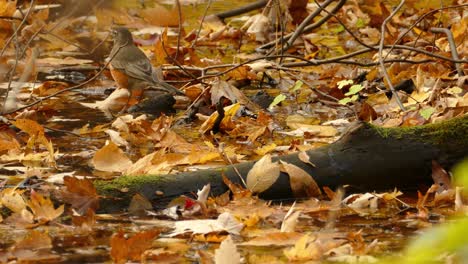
<point x="366" y="158"/>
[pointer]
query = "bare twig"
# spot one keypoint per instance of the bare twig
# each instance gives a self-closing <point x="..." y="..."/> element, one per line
<point x="11" y="73"/>
<point x="179" y="14"/>
<point x="381" y="60"/>
<point x="7" y="43"/>
<point x="201" y="24"/>
<point x="226" y="157"/>
<point x="343" y="25"/>
<point x="453" y="47"/>
<point x="306" y="28"/>
<point x="401" y="36"/>
<point x="242" y="9"/>
<point x="302" y="26"/>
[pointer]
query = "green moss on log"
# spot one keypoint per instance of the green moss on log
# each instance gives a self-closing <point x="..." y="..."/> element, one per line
<point x="435" y="134"/>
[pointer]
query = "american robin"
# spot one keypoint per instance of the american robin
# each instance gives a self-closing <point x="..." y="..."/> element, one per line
<point x="131" y="69"/>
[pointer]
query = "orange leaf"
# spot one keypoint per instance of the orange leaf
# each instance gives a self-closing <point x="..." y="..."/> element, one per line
<point x="43" y="209"/>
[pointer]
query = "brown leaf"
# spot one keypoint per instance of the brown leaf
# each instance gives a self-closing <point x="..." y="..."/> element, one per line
<point x="139" y="205"/>
<point x="13" y="199"/>
<point x="81" y="194"/>
<point x="160" y="55"/>
<point x="140" y="242"/>
<point x="237" y="190"/>
<point x="302" y="184"/>
<point x="274" y="239"/>
<point x="85" y="221"/>
<point x="440" y="177"/>
<point x="367" y="113"/>
<point x="131" y="249"/>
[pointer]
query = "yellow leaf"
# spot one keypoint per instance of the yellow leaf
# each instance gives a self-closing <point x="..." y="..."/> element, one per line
<point x="43" y="209"/>
<point x="111" y="158"/>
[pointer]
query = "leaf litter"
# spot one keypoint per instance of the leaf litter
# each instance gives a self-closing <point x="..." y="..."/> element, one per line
<point x="299" y="115"/>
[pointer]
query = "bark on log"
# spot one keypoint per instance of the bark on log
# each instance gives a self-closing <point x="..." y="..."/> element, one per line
<point x="366" y="157"/>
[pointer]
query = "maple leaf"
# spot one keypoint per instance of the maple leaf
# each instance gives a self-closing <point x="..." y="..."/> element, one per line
<point x="123" y="249"/>
<point x="81" y="194"/>
<point x="43" y="209"/>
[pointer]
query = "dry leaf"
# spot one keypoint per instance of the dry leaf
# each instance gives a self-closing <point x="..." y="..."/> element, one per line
<point x="111" y="158"/>
<point x="225" y="222"/>
<point x="290" y="220"/>
<point x="81" y="194"/>
<point x="13" y="199"/>
<point x="302" y="184"/>
<point x="304" y="157"/>
<point x="139" y="205"/>
<point x="43" y="209"/>
<point x="131" y="249"/>
<point x="305" y="248"/>
<point x="263" y="175"/>
<point x="278" y="239"/>
<point x="227" y="253"/>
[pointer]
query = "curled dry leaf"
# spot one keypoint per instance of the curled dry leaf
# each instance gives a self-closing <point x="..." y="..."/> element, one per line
<point x="290" y="220"/>
<point x="304" y="157"/>
<point x="111" y="158"/>
<point x="263" y="175"/>
<point x="302" y="184"/>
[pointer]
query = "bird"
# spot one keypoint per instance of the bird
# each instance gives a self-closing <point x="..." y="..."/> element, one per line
<point x="131" y="69"/>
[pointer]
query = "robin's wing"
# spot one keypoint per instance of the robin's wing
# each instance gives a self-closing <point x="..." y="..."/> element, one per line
<point x="140" y="69"/>
<point x="134" y="63"/>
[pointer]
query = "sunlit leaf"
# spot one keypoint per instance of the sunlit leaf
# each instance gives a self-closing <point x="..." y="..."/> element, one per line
<point x="426" y="113"/>
<point x="344" y="83"/>
<point x="43" y="208"/>
<point x="354" y="89"/>
<point x="278" y="99"/>
<point x="227" y="253"/>
<point x="297" y="85"/>
<point x="263" y="174"/>
<point x="111" y="158"/>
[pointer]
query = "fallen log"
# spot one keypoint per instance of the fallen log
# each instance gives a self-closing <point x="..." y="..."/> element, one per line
<point x="366" y="158"/>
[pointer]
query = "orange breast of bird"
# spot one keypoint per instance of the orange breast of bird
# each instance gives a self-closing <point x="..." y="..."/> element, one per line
<point x="119" y="77"/>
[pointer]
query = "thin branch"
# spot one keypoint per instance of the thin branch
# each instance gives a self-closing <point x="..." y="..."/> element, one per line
<point x="453" y="47"/>
<point x="381" y="60"/>
<point x="7" y="43"/>
<point x="201" y="24"/>
<point x="343" y="25"/>
<point x="420" y="19"/>
<point x="12" y="71"/>
<point x="301" y="28"/>
<point x="179" y="15"/>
